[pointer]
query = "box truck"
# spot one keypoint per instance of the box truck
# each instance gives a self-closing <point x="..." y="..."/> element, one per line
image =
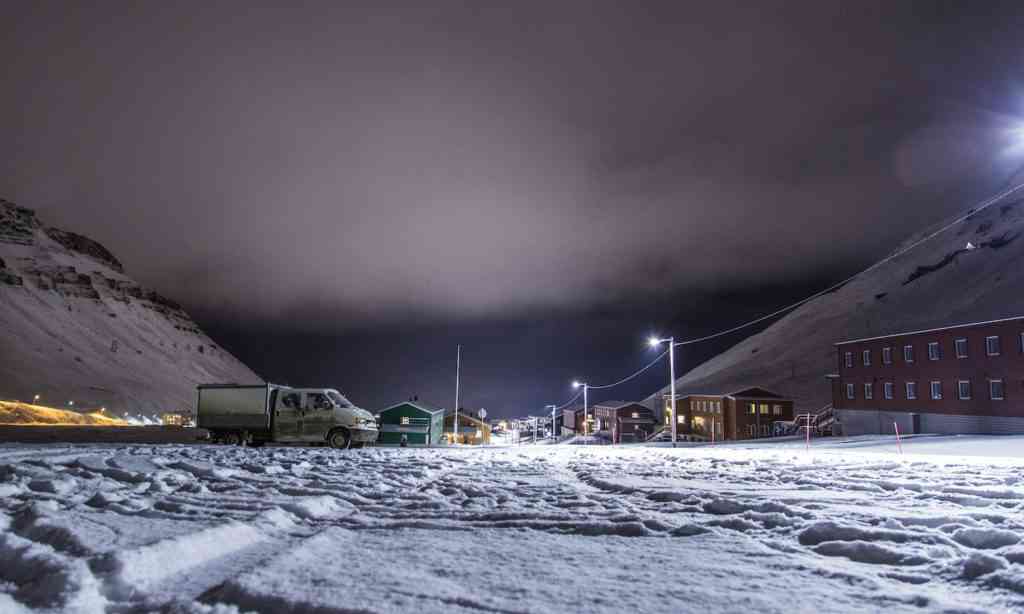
<point x="267" y="413"/>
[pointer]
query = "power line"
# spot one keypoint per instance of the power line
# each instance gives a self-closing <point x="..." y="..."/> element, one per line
<point x="626" y="379"/>
<point x="974" y="211"/>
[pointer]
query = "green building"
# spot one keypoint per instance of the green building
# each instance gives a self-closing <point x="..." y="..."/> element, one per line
<point x="419" y="424"/>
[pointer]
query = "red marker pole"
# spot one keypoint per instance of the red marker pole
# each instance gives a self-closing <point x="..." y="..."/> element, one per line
<point x="899" y="444"/>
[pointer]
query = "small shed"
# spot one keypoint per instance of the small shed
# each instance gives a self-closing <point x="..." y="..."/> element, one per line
<point x="419" y="424"/>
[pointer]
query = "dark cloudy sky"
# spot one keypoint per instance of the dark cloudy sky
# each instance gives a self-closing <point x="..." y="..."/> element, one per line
<point x="341" y="192"/>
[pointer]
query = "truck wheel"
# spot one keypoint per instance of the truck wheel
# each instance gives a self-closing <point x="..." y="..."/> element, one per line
<point x="232" y="439"/>
<point x="338" y="439"/>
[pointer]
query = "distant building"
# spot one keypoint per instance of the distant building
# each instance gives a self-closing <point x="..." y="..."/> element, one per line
<point x="967" y="378"/>
<point x="623" y="421"/>
<point x="748" y="413"/>
<point x="472" y="430"/>
<point x="411" y="422"/>
<point x="178" y="418"/>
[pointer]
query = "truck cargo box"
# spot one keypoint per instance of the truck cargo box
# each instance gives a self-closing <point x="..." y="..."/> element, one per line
<point x="223" y="406"/>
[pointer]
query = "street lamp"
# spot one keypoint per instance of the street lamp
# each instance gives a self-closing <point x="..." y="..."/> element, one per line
<point x="655" y="342"/>
<point x="577" y="384"/>
<point x="36" y="398"/>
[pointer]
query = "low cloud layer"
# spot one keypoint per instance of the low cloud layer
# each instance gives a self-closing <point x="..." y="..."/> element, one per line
<point x="339" y="167"/>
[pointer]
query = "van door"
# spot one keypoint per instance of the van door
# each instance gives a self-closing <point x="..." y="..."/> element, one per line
<point x="288" y="416"/>
<point x="319" y="417"/>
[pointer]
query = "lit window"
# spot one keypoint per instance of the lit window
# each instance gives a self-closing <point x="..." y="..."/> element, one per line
<point x="636" y="414"/>
<point x="995" y="389"/>
<point x="405" y="420"/>
<point x="934" y="353"/>
<point x="887" y="390"/>
<point x="764" y="409"/>
<point x="936" y="390"/>
<point x="963" y="389"/>
<point x="680" y="419"/>
<point x="908" y="353"/>
<point x="776" y="410"/>
<point x="911" y="390"/>
<point x="887" y="356"/>
<point x="869" y="391"/>
<point x="753" y="408"/>
<point x="866" y="357"/>
<point x="992" y="345"/>
<point x="849" y="359"/>
<point x="961" y="348"/>
<point x="849" y="391"/>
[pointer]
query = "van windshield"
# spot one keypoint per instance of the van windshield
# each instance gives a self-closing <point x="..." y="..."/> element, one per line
<point x="339" y="400"/>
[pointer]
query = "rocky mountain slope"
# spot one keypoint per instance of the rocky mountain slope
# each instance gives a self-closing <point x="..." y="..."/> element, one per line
<point x="940" y="282"/>
<point x="75" y="327"/>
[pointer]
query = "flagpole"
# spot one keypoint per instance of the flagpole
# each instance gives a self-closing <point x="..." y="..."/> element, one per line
<point x="458" y="368"/>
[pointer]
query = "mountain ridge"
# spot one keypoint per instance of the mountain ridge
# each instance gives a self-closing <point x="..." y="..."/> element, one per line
<point x="74" y="327"/>
<point x="967" y="273"/>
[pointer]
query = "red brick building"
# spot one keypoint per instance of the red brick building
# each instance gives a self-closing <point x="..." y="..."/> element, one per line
<point x="748" y="413"/>
<point x="967" y="378"/>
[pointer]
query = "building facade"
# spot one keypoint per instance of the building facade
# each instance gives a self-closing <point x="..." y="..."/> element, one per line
<point x="410" y="423"/>
<point x="967" y="378"/>
<point x="748" y="413"/>
<point x="472" y="430"/>
<point x="624" y="422"/>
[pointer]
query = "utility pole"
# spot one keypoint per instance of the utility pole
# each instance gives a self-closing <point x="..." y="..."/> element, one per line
<point x="554" y="437"/>
<point x="458" y="367"/>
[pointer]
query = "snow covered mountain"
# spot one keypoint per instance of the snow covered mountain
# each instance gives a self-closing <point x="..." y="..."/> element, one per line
<point x="74" y="327"/>
<point x="971" y="272"/>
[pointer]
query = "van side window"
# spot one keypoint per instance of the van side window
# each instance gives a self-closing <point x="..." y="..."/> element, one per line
<point x="291" y="400"/>
<point x="317" y="401"/>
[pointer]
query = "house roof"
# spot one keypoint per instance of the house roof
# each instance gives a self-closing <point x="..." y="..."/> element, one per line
<point x="747" y="392"/>
<point x="418" y="405"/>
<point x="930" y="330"/>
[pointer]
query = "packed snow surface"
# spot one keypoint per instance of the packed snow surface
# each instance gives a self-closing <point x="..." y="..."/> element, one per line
<point x="175" y="528"/>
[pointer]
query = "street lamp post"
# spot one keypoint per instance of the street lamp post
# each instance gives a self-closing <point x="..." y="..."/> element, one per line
<point x="655" y="342"/>
<point x="586" y="427"/>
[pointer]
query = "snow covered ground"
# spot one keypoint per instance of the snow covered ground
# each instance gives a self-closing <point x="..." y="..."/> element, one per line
<point x="177" y="528"/>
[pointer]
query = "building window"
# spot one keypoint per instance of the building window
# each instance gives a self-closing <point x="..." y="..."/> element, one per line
<point x="776" y="410"/>
<point x="849" y="360"/>
<point x="764" y="430"/>
<point x="680" y="419"/>
<point x="992" y="345"/>
<point x="934" y="353"/>
<point x="764" y="409"/>
<point x="963" y="389"/>
<point x="911" y="390"/>
<point x="404" y="420"/>
<point x="752" y="409"/>
<point x="887" y="390"/>
<point x="887" y="356"/>
<point x="869" y="391"/>
<point x="936" y="390"/>
<point x="866" y="357"/>
<point x="752" y="430"/>
<point x="995" y="389"/>
<point x="961" y="348"/>
<point x="849" y="391"/>
<point x="908" y="353"/>
<point x="636" y="414"/>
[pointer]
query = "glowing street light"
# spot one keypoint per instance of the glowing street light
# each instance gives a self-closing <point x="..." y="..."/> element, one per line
<point x="36" y="398"/>
<point x="71" y="403"/>
<point x="585" y="386"/>
<point x="655" y="342"/>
